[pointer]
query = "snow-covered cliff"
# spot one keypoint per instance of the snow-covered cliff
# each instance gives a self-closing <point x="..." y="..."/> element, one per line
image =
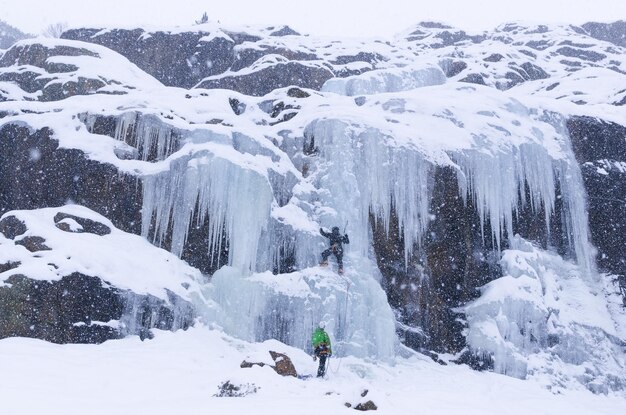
<point x="452" y="160"/>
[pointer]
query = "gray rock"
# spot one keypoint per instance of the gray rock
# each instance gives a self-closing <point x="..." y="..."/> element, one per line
<point x="231" y="390"/>
<point x="273" y="77"/>
<point x="11" y="227"/>
<point x="366" y="406"/>
<point x="611" y="32"/>
<point x="87" y="225"/>
<point x="72" y="310"/>
<point x="33" y="243"/>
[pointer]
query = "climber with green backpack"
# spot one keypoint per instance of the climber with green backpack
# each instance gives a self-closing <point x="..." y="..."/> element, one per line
<point x="321" y="348"/>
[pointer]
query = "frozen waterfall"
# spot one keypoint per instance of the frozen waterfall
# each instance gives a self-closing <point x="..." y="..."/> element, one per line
<point x="378" y="158"/>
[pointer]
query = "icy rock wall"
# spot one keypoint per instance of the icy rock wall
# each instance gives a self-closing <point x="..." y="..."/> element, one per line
<point x="498" y="197"/>
<point x="152" y="138"/>
<point x="288" y="307"/>
<point x="494" y="183"/>
<point x="203" y="186"/>
<point x="386" y="80"/>
<point x="377" y="176"/>
<point x="543" y="317"/>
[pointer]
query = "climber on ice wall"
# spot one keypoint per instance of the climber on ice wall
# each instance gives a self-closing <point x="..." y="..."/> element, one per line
<point x="336" y="247"/>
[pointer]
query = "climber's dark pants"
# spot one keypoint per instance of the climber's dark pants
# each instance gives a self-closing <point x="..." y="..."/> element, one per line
<point x="321" y="371"/>
<point x="338" y="254"/>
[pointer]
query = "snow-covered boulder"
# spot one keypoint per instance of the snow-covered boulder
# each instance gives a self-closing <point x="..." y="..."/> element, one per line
<point x="54" y="69"/>
<point x="67" y="275"/>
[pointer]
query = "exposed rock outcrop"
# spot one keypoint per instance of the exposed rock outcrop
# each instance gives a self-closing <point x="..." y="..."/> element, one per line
<point x="47" y="292"/>
<point x="282" y="364"/>
<point x="600" y="148"/>
<point x="36" y="173"/>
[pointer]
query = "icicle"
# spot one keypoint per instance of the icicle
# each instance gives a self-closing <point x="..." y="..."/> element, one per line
<point x="496" y="181"/>
<point x="375" y="177"/>
<point x="124" y="124"/>
<point x="210" y="187"/>
<point x="154" y="139"/>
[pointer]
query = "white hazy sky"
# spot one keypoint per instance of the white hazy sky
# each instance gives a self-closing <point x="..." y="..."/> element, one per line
<point x="319" y="17"/>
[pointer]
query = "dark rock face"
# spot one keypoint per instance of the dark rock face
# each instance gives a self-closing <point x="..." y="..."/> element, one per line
<point x="474" y="78"/>
<point x="446" y="34"/>
<point x="185" y="59"/>
<point x="7" y="266"/>
<point x="48" y="310"/>
<point x="284" y="31"/>
<point x="87" y="225"/>
<point x="35" y="173"/>
<point x="611" y="32"/>
<point x="452" y="263"/>
<point x="73" y="310"/>
<point x="494" y="57"/>
<point x="453" y="67"/>
<point x="583" y="54"/>
<point x="273" y="77"/>
<point x="11" y="227"/>
<point x="180" y="60"/>
<point x="33" y="243"/>
<point x="533" y="72"/>
<point x="29" y="81"/>
<point x="600" y="148"/>
<point x="37" y="55"/>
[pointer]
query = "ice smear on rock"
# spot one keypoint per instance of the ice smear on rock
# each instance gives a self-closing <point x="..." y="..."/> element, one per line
<point x="541" y="317"/>
<point x="152" y="138"/>
<point x="386" y="80"/>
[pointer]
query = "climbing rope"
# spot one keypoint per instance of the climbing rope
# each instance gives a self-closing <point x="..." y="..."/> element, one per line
<point x="345" y="324"/>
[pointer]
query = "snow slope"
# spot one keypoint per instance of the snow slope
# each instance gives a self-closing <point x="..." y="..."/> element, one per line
<point x="181" y="372"/>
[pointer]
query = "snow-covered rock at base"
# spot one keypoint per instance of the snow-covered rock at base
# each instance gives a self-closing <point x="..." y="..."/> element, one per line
<point x="542" y="318"/>
<point x="78" y="272"/>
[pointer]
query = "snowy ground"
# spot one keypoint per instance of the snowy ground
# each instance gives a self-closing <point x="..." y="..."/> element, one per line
<point x="180" y="372"/>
